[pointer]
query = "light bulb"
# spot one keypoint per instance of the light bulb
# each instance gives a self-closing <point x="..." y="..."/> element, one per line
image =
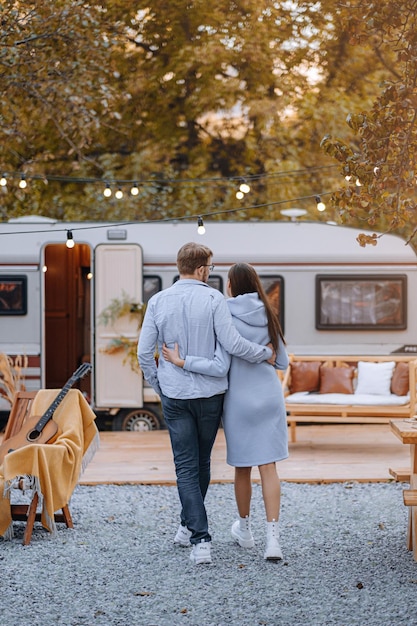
<point x="244" y="187"/>
<point x="70" y="241"/>
<point x="22" y="183"/>
<point x="135" y="190"/>
<point x="200" y="226"/>
<point x="320" y="205"/>
<point x="240" y="195"/>
<point x="3" y="181"/>
<point x="107" y="192"/>
<point x="119" y="194"/>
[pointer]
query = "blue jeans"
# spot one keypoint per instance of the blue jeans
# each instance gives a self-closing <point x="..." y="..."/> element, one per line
<point x="193" y="426"/>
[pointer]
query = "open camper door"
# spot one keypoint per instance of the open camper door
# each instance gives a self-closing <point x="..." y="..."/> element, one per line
<point x="118" y="276"/>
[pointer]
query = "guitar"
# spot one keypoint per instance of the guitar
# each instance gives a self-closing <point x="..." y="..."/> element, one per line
<point x="44" y="429"/>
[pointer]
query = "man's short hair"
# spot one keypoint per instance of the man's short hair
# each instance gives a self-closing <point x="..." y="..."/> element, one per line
<point x="191" y="256"/>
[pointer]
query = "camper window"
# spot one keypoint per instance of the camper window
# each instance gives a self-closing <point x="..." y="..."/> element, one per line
<point x="371" y="302"/>
<point x="274" y="288"/>
<point x="13" y="295"/>
<point x="151" y="286"/>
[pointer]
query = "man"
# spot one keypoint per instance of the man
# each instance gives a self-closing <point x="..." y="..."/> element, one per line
<point x="196" y="317"/>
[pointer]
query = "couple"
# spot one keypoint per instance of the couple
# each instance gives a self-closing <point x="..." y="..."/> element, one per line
<point x="196" y="330"/>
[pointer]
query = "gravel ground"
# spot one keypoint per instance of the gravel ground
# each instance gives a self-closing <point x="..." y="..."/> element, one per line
<point x="345" y="562"/>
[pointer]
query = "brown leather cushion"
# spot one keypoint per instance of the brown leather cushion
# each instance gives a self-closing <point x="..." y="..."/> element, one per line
<point x="336" y="379"/>
<point x="400" y="382"/>
<point x="305" y="376"/>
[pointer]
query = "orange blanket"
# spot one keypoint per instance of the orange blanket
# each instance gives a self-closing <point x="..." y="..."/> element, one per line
<point x="55" y="467"/>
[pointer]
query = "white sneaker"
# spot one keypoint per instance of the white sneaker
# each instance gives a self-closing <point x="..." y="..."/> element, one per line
<point x="182" y="538"/>
<point x="241" y="532"/>
<point x="201" y="553"/>
<point x="273" y="550"/>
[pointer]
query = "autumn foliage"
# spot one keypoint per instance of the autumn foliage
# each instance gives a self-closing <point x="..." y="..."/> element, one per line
<point x="187" y="99"/>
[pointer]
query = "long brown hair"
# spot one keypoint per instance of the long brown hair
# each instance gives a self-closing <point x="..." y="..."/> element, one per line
<point x="244" y="279"/>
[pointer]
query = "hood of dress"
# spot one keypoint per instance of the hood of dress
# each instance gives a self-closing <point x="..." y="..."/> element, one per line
<point x="248" y="308"/>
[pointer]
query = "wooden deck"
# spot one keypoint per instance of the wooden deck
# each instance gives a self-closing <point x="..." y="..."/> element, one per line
<point x="322" y="454"/>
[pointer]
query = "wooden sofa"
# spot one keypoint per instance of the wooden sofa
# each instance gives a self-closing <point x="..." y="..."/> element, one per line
<point x="324" y="389"/>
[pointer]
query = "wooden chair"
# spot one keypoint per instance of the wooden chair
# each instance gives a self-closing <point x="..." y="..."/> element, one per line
<point x="20" y="512"/>
<point x="18" y="413"/>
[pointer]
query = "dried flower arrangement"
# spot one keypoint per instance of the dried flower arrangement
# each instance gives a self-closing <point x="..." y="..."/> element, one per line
<point x="117" y="308"/>
<point x="11" y="377"/>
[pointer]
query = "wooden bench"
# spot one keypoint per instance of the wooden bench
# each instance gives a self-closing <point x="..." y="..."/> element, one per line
<point x="400" y="474"/>
<point x="315" y="407"/>
<point x="407" y="434"/>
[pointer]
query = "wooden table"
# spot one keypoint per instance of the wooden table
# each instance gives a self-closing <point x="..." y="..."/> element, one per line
<point x="406" y="431"/>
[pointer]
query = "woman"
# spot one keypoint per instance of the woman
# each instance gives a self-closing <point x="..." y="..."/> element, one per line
<point x="254" y="416"/>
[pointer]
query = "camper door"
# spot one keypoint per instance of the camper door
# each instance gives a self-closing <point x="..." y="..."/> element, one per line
<point x="118" y="280"/>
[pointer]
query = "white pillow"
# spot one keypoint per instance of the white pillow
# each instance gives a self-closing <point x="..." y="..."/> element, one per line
<point x="375" y="378"/>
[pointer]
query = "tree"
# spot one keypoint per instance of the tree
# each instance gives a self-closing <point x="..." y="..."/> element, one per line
<point x="226" y="92"/>
<point x="186" y="99"/>
<point x="54" y="80"/>
<point x="384" y="158"/>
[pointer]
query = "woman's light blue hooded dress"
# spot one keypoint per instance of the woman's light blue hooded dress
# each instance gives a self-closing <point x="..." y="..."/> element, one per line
<point x="254" y="415"/>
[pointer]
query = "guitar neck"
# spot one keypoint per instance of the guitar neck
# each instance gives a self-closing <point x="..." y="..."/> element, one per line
<point x="52" y="408"/>
<point x="81" y="371"/>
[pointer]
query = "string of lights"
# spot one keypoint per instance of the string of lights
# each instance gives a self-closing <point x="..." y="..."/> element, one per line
<point x="117" y="187"/>
<point x="320" y="205"/>
<point x="244" y="183"/>
<point x="110" y="182"/>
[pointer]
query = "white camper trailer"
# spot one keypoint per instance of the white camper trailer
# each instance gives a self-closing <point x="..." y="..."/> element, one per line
<point x="332" y="295"/>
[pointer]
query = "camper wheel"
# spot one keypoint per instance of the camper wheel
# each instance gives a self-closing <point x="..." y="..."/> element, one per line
<point x="137" y="420"/>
